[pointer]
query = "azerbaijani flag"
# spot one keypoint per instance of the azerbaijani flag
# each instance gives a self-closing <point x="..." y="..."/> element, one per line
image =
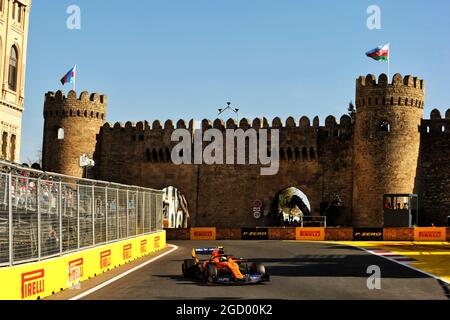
<point x="380" y="53"/>
<point x="70" y="76"/>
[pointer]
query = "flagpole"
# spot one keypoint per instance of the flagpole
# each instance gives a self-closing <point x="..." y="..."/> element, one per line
<point x="75" y="79"/>
<point x="389" y="61"/>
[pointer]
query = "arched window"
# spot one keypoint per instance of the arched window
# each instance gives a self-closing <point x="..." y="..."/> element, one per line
<point x="155" y="155"/>
<point x="282" y="154"/>
<point x="289" y="154"/>
<point x="385" y="126"/>
<point x="297" y="154"/>
<point x="13" y="68"/>
<point x="304" y="154"/>
<point x="312" y="153"/>
<point x="13" y="148"/>
<point x="60" y="134"/>
<point x="4" y="144"/>
<point x="148" y="155"/>
<point x="168" y="155"/>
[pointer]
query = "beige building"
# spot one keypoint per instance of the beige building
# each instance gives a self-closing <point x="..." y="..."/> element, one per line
<point x="14" y="20"/>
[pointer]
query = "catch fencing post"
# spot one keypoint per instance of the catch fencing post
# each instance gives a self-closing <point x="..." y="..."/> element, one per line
<point x="93" y="215"/>
<point x="143" y="212"/>
<point x="78" y="215"/>
<point x="60" y="217"/>
<point x="117" y="215"/>
<point x="10" y="218"/>
<point x="106" y="213"/>
<point x="128" y="217"/>
<point x="151" y="210"/>
<point x="39" y="219"/>
<point x="136" y="209"/>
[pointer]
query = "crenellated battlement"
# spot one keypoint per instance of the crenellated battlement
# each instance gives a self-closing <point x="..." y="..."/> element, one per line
<point x="402" y="91"/>
<point x="298" y="140"/>
<point x="60" y="96"/>
<point x="409" y="81"/>
<point x="244" y="124"/>
<point x="436" y="124"/>
<point x="85" y="105"/>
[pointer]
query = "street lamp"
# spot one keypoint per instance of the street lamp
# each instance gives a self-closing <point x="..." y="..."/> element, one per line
<point x="235" y="110"/>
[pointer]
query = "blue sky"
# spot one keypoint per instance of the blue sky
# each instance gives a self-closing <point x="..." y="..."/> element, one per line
<point x="179" y="59"/>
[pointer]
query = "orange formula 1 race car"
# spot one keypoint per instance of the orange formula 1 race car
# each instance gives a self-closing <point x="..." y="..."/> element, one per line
<point x="222" y="268"/>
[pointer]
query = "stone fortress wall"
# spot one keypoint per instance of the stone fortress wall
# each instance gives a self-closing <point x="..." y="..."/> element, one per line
<point x="358" y="159"/>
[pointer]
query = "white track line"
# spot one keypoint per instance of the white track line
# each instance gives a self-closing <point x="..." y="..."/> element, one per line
<point x="405" y="265"/>
<point x="104" y="284"/>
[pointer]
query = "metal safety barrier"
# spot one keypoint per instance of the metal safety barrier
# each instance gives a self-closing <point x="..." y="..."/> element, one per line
<point x="43" y="215"/>
<point x="313" y="221"/>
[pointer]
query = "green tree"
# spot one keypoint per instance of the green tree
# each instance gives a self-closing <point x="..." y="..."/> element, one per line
<point x="352" y="111"/>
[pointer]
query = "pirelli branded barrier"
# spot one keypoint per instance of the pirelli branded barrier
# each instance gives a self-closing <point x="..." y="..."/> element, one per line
<point x="255" y="233"/>
<point x="311" y="234"/>
<point x="367" y="234"/>
<point x="203" y="234"/>
<point x="430" y="234"/>
<point x="41" y="279"/>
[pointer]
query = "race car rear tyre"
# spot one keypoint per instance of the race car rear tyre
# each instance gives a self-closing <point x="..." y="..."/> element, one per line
<point x="188" y="267"/>
<point x="210" y="275"/>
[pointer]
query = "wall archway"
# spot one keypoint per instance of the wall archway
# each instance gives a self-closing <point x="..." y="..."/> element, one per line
<point x="175" y="209"/>
<point x="289" y="205"/>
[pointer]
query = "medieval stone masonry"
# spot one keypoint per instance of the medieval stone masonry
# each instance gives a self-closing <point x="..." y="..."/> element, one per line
<point x="14" y="22"/>
<point x="388" y="148"/>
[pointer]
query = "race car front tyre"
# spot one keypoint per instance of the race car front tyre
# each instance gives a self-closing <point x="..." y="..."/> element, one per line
<point x="258" y="268"/>
<point x="210" y="273"/>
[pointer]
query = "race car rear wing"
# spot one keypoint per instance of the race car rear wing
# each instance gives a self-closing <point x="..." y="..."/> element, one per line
<point x="205" y="251"/>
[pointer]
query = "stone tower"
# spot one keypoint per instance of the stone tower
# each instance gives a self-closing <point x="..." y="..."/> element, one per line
<point x="14" y="22"/>
<point x="386" y="143"/>
<point x="70" y="130"/>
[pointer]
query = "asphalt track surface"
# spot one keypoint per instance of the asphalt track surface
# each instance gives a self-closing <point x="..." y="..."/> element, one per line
<point x="298" y="270"/>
